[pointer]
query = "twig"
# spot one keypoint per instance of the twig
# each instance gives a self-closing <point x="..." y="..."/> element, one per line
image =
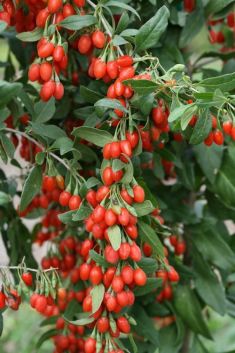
<point x="28" y="269"/>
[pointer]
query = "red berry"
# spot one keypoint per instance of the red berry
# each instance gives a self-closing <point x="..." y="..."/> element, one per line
<point x="123" y="325"/>
<point x="218" y="137"/>
<point x="34" y="72"/>
<point x="74" y="202"/>
<point x="45" y="71"/>
<point x="27" y="278"/>
<point x="227" y="127"/>
<point x="140" y="277"/>
<point x="139" y="194"/>
<point x="107" y="176"/>
<point x="103" y="324"/>
<point x="54" y="5"/>
<point x="125" y="61"/>
<point x="64" y="198"/>
<point x="84" y="44"/>
<point x="98" y="39"/>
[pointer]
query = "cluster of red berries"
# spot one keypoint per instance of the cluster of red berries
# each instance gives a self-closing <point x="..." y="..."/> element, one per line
<point x="11" y="299"/>
<point x="178" y="244"/>
<point x="217" y="35"/>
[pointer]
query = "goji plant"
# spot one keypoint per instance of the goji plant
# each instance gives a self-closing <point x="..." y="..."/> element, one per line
<point x="120" y="116"/>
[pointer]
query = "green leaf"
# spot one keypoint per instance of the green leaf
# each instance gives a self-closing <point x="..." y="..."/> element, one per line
<point x="209" y="159"/>
<point x="122" y="23"/>
<point x="214" y="6"/>
<point x="224" y="184"/>
<point x="4" y="198"/>
<point x="77" y="22"/>
<point x="51" y="131"/>
<point x="207" y="285"/>
<point x="145" y="326"/>
<point x="194" y="23"/>
<point x="115" y="236"/>
<point x="96" y="136"/>
<point x="27" y="101"/>
<point x="8" y="90"/>
<point x="67" y="217"/>
<point x="149" y="235"/>
<point x="148" y="265"/>
<point x="179" y="112"/>
<point x="188" y="307"/>
<point x="44" y="111"/>
<point x="49" y="321"/>
<point x="110" y="104"/>
<point x="82" y="213"/>
<point x="46" y="336"/>
<point x="143" y="209"/>
<point x="98" y="259"/>
<point x="64" y="144"/>
<point x="187" y="116"/>
<point x="83" y="319"/>
<point x="133" y="344"/>
<point x="142" y="86"/>
<point x="89" y="95"/>
<point x="122" y="5"/>
<point x="151" y="285"/>
<point x="128" y="175"/>
<point x="202" y="128"/>
<point x="97" y="295"/>
<point x="217" y="251"/>
<point x="32" y="36"/>
<point x="31" y="188"/>
<point x="224" y="82"/>
<point x="8" y="146"/>
<point x="150" y="33"/>
<point x="40" y="157"/>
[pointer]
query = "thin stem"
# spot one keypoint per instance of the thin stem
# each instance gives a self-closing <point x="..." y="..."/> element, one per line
<point x="53" y="155"/>
<point x="28" y="269"/>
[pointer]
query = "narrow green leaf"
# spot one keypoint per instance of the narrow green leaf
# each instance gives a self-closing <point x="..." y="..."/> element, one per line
<point x="82" y="213"/>
<point x="32" y="36"/>
<point x="150" y="33"/>
<point x="151" y="285"/>
<point x="51" y="131"/>
<point x="97" y="295"/>
<point x="110" y="104"/>
<point x="143" y="209"/>
<point x="142" y="86"/>
<point x="194" y="23"/>
<point x="202" y="128"/>
<point x="44" y="111"/>
<point x="98" y="259"/>
<point x="8" y="146"/>
<point x="115" y="236"/>
<point x="178" y="112"/>
<point x="149" y="235"/>
<point x="46" y="336"/>
<point x="188" y="307"/>
<point x="83" y="319"/>
<point x="77" y="22"/>
<point x="31" y="188"/>
<point x="96" y="136"/>
<point x="122" y="5"/>
<point x="8" y="90"/>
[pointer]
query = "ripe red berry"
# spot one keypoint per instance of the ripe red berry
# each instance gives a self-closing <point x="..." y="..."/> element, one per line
<point x="110" y="217"/>
<point x="58" y="53"/>
<point x="125" y="61"/>
<point x="139" y="194"/>
<point x="98" y="39"/>
<point x="99" y="69"/>
<point x="112" y="69"/>
<point x="47" y="90"/>
<point x="127" y="274"/>
<point x="64" y="198"/>
<point x="34" y="72"/>
<point x="2" y="300"/>
<point x="96" y="275"/>
<point x="74" y="202"/>
<point x="123" y="325"/>
<point x="227" y="127"/>
<point x="173" y="275"/>
<point x="140" y="277"/>
<point x="54" y="5"/>
<point x="84" y="44"/>
<point x="117" y="284"/>
<point x="45" y="71"/>
<point x="27" y="279"/>
<point x="218" y="137"/>
<point x="103" y="324"/>
<point x="107" y="176"/>
<point x="59" y="91"/>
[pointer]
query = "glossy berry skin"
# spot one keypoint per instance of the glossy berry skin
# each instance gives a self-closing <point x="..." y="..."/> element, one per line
<point x="108" y="176"/>
<point x="218" y="137"/>
<point x="74" y="202"/>
<point x="27" y="278"/>
<point x="58" y="53"/>
<point x="125" y="61"/>
<point x="139" y="194"/>
<point x="47" y="90"/>
<point x="140" y="277"/>
<point x="54" y="5"/>
<point x="45" y="71"/>
<point x="98" y="39"/>
<point x="227" y="127"/>
<point x="123" y="325"/>
<point x="2" y="300"/>
<point x="34" y="72"/>
<point x="103" y="324"/>
<point x="84" y="44"/>
<point x="64" y="198"/>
